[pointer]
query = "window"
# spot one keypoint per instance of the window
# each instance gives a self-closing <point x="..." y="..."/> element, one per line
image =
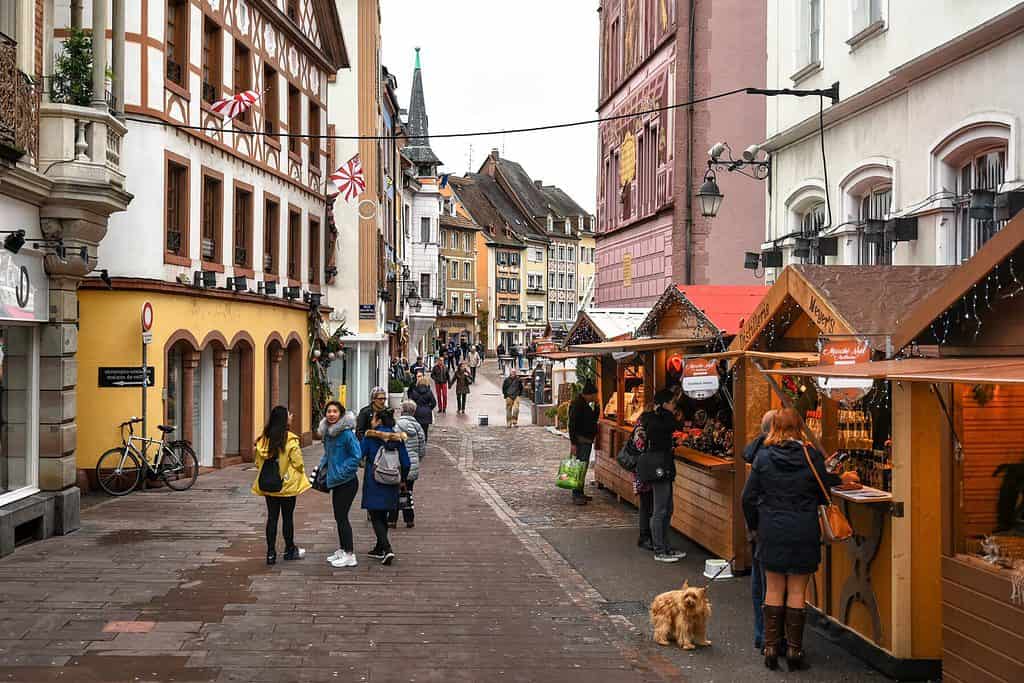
<point x="212" y="219"/>
<point x="984" y="171"/>
<point x="876" y="248"/>
<point x="294" y="119"/>
<point x="242" y="74"/>
<point x="466" y="246"/>
<point x="513" y="284"/>
<point x="467" y="304"/>
<point x="536" y="255"/>
<point x="570" y="308"/>
<point x="552" y="252"/>
<point x="866" y="14"/>
<point x="502" y="260"/>
<point x="424" y="285"/>
<point x="19" y="399"/>
<point x="176" y="39"/>
<point x="570" y="281"/>
<point x="271" y="106"/>
<point x="501" y="284"/>
<point x="292" y="10"/>
<point x="314" y="135"/>
<point x="453" y="271"/>
<point x="467" y="271"/>
<point x="405" y="220"/>
<point x="294" y="244"/>
<point x="176" y="208"/>
<point x="243" y="228"/>
<point x="213" y="69"/>
<point x="454" y="308"/>
<point x="561" y="280"/>
<point x="271" y="235"/>
<point x="314" y="251"/>
<point x="425" y="229"/>
<point x="571" y="252"/>
<point x="808" y="47"/>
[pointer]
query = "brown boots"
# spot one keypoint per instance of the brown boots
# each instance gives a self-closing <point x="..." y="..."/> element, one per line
<point x="773" y="618"/>
<point x="795" y="619"/>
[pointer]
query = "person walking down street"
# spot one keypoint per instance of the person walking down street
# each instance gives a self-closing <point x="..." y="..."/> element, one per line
<point x="750" y="454"/>
<point x="380" y="499"/>
<point x="337" y="432"/>
<point x="474" y="362"/>
<point x="425" y="402"/>
<point x="280" y="451"/>
<point x="451" y="359"/>
<point x="416" y="445"/>
<point x="439" y="375"/>
<point x="417" y="369"/>
<point x="583" y="432"/>
<point x="780" y="503"/>
<point x="657" y="467"/>
<point x="461" y="381"/>
<point x="501" y="358"/>
<point x="378" y="401"/>
<point x="512" y="389"/>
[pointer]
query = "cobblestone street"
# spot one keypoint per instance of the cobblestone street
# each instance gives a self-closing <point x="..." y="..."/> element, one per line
<point x="501" y="579"/>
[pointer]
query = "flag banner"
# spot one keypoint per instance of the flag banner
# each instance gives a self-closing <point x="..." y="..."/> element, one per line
<point x="349" y="179"/>
<point x="230" y="107"/>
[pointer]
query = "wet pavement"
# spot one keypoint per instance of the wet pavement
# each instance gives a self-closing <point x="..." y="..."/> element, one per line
<point x="501" y="579"/>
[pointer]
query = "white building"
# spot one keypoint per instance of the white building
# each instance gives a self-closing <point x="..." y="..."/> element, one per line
<point x="930" y="110"/>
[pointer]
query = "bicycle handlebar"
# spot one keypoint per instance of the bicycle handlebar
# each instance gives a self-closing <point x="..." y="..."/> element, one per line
<point x="133" y="420"/>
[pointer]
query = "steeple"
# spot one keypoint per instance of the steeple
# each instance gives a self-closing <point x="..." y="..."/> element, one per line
<point x="418" y="150"/>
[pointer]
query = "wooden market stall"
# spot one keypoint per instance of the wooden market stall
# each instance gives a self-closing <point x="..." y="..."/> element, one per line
<point x="830" y="311"/>
<point x="686" y="321"/>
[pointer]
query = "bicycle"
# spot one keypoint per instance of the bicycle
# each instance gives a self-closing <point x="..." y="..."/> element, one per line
<point x="119" y="471"/>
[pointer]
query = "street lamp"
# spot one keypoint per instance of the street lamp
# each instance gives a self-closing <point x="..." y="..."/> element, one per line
<point x="413" y="299"/>
<point x="709" y="195"/>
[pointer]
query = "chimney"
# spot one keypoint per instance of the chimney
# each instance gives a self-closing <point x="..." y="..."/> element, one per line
<point x="494" y="153"/>
<point x="538" y="183"/>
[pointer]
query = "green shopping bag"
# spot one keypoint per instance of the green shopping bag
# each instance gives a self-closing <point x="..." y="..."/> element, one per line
<point x="571" y="474"/>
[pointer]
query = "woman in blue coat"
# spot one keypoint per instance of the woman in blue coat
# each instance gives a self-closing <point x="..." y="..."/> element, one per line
<point x="380" y="499"/>
<point x="342" y="454"/>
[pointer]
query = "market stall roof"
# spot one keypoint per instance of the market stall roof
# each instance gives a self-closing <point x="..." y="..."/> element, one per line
<point x="866" y="300"/>
<point x="721" y="307"/>
<point x="1001" y="247"/>
<point x="973" y="370"/>
<point x="785" y="356"/>
<point x="626" y="345"/>
<point x="608" y="323"/>
<point x="565" y="355"/>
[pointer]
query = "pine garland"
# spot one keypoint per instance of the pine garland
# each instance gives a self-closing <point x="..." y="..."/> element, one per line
<point x="323" y="349"/>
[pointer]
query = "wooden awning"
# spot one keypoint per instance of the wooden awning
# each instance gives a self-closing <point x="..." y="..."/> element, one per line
<point x="784" y="356"/>
<point x="636" y="345"/>
<point x="1001" y="370"/>
<point x="565" y="355"/>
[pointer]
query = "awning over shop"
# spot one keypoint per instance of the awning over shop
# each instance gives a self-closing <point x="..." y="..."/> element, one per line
<point x="634" y="345"/>
<point x="566" y="355"/>
<point x="1000" y="370"/>
<point x="784" y="356"/>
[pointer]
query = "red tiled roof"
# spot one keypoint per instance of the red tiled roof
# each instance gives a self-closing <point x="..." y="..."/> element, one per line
<point x="727" y="306"/>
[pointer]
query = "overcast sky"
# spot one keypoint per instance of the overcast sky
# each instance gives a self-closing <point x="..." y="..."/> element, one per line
<point x="490" y="65"/>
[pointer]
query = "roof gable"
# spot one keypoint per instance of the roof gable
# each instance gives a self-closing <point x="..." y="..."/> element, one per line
<point x="722" y="307"/>
<point x="317" y="28"/>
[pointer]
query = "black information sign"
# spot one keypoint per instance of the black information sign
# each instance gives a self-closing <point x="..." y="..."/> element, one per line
<point x="126" y="377"/>
<point x="367" y="311"/>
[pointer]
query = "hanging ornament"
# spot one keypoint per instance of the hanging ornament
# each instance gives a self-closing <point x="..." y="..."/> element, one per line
<point x="332" y="355"/>
<point x="316" y="353"/>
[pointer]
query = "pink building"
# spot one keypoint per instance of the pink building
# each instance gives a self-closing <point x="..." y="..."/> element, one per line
<point x="648" y="234"/>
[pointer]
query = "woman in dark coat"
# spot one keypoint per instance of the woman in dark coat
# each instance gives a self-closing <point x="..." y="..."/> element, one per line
<point x="461" y="381"/>
<point x="780" y="502"/>
<point x="425" y="402"/>
<point x="380" y="499"/>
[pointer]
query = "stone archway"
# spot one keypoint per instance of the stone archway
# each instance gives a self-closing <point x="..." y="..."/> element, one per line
<point x="240" y="405"/>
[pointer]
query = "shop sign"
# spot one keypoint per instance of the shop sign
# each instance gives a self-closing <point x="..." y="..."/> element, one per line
<point x="126" y="377"/>
<point x="844" y="352"/>
<point x="627" y="159"/>
<point x="367" y="311"/>
<point x="700" y="378"/>
<point x="24" y="288"/>
<point x="546" y="346"/>
<point x="627" y="270"/>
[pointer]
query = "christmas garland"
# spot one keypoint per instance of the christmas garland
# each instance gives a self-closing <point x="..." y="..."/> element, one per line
<point x="323" y="348"/>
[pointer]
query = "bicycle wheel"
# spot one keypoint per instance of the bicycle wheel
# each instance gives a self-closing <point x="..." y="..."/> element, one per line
<point x="118" y="471"/>
<point x="179" y="466"/>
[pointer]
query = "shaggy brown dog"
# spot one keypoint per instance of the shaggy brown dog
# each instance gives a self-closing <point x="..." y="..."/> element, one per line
<point x="681" y="615"/>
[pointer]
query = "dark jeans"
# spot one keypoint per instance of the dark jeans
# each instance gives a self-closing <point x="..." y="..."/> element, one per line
<point x="426" y="428"/>
<point x="472" y="372"/>
<point x="583" y="454"/>
<point x="646" y="507"/>
<point x="283" y="506"/>
<point x="757" y="587"/>
<point x="379" y="519"/>
<point x="341" y="499"/>
<point x="461" y="400"/>
<point x="409" y="515"/>
<point x="661" y="515"/>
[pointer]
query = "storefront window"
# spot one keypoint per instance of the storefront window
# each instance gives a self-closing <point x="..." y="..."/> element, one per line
<point x="18" y="408"/>
<point x="985" y="171"/>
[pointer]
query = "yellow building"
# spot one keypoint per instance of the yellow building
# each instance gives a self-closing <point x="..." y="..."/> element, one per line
<point x="220" y="360"/>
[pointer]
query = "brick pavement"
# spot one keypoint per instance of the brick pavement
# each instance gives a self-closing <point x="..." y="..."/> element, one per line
<point x="471" y="597"/>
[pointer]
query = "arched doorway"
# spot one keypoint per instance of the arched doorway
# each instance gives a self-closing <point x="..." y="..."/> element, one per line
<point x="239" y="428"/>
<point x="183" y="386"/>
<point x="284" y="377"/>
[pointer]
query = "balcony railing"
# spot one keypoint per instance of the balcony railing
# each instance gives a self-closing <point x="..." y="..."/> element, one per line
<point x="19" y="107"/>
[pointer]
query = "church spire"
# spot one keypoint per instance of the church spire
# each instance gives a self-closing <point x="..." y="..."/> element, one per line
<point x="418" y="150"/>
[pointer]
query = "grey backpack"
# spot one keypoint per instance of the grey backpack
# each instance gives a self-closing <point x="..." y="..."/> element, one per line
<point x="387" y="467"/>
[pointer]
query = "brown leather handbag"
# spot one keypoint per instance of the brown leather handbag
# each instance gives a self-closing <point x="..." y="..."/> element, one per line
<point x="835" y="528"/>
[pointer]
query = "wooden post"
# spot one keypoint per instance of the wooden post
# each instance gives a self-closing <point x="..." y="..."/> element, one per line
<point x="741" y="549"/>
<point x="276" y="354"/>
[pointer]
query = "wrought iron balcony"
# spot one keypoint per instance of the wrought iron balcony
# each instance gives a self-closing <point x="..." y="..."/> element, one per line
<point x="19" y="107"/>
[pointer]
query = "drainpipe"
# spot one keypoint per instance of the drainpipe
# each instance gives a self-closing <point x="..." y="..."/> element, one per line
<point x="689" y="153"/>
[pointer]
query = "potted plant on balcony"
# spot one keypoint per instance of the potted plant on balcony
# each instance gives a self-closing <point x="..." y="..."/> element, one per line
<point x="72" y="77"/>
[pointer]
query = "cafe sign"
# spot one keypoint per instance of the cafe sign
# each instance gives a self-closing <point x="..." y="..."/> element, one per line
<point x="24" y="288"/>
<point x="844" y="352"/>
<point x="700" y="378"/>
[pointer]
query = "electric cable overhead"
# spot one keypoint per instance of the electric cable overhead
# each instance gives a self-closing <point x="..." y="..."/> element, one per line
<point x="432" y="136"/>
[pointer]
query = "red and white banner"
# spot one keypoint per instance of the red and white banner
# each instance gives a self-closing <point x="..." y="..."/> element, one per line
<point x="700" y="378"/>
<point x="349" y="179"/>
<point x="230" y="107"/>
<point x="844" y="352"/>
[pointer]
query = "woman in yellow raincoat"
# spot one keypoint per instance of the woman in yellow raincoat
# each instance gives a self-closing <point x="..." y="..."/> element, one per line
<point x="280" y="488"/>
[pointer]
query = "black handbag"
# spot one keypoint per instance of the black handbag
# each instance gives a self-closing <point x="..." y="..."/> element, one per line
<point x="636" y="444"/>
<point x="319" y="477"/>
<point x="270" y="480"/>
<point x="651" y="467"/>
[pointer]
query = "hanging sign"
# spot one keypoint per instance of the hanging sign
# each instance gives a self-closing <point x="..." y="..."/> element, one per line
<point x="119" y="377"/>
<point x="844" y="352"/>
<point x="627" y="270"/>
<point x="627" y="159"/>
<point x="700" y="378"/>
<point x="546" y="345"/>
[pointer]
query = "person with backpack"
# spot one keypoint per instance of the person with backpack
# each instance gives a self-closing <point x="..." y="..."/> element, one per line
<point x="425" y="402"/>
<point x="416" y="445"/>
<point x="387" y="469"/>
<point x="657" y="467"/>
<point x="583" y="432"/>
<point x="281" y="477"/>
<point x="341" y="455"/>
<point x="439" y="375"/>
<point x="511" y="390"/>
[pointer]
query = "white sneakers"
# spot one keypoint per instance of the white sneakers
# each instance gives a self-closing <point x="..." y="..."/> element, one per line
<point x="339" y="558"/>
